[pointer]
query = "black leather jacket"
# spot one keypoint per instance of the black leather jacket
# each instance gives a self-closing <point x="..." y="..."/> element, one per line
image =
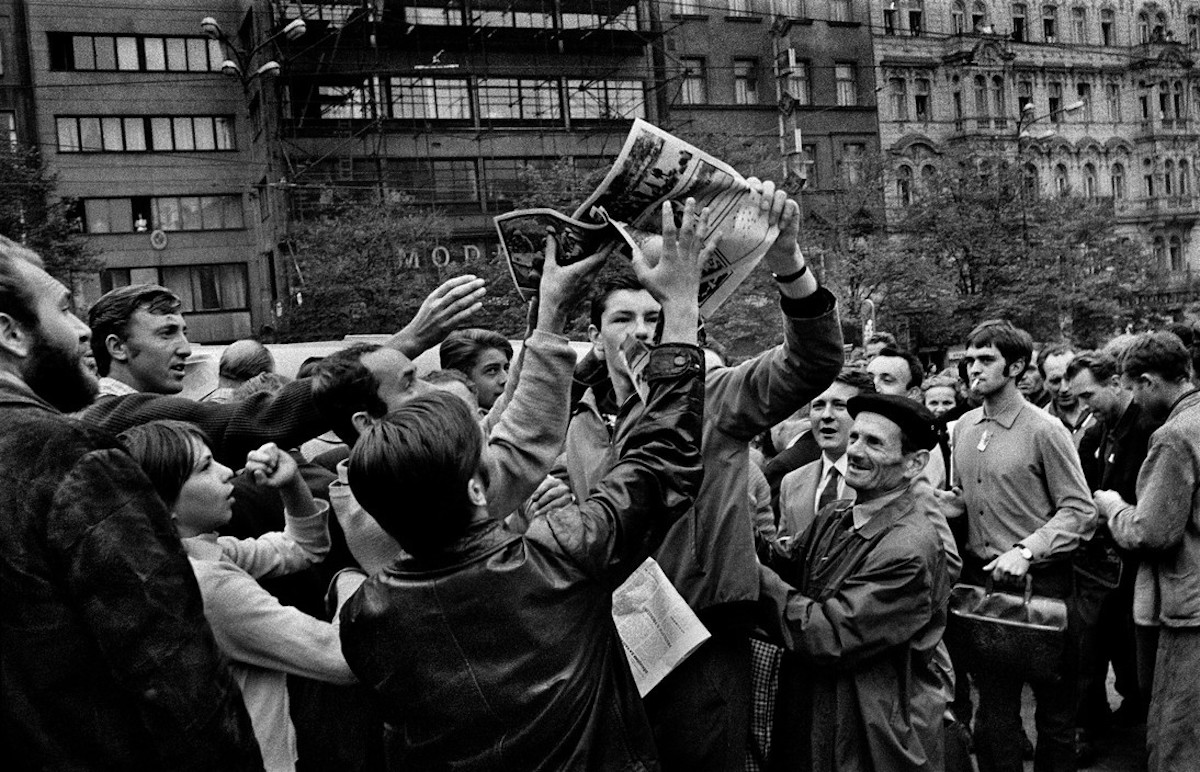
<point x="500" y="653"/>
<point x="106" y="660"/>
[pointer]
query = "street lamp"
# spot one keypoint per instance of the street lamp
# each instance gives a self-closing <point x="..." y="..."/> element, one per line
<point x="241" y="62"/>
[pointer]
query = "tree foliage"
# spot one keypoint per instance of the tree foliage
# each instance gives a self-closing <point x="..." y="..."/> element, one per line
<point x="31" y="213"/>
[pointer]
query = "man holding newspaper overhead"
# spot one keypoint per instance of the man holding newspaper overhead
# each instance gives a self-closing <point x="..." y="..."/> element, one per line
<point x="700" y="712"/>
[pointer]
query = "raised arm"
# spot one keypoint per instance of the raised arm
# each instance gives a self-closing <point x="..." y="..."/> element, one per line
<point x="760" y="393"/>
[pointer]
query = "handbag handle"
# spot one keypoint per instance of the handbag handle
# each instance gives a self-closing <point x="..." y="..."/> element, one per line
<point x="1028" y="595"/>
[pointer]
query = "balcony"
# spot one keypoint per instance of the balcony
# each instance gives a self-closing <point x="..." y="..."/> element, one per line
<point x="1150" y="128"/>
<point x="1174" y="208"/>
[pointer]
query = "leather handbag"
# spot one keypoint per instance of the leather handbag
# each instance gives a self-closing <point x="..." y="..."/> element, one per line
<point x="1022" y="634"/>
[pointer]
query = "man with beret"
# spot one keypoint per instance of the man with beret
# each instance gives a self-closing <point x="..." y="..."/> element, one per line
<point x="862" y="603"/>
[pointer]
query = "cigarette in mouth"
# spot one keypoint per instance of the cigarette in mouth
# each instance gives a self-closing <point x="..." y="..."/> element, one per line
<point x="974" y="382"/>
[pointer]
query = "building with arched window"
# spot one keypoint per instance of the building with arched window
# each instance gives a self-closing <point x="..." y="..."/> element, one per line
<point x="1105" y="95"/>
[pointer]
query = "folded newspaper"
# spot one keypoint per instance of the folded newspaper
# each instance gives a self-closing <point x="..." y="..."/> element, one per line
<point x="625" y="209"/>
<point x="657" y="627"/>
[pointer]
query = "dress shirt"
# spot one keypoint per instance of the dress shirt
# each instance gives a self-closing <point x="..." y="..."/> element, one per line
<point x="826" y="465"/>
<point x="111" y="387"/>
<point x="1021" y="481"/>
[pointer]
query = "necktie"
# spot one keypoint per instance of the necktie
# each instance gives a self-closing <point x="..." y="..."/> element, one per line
<point x="830" y="493"/>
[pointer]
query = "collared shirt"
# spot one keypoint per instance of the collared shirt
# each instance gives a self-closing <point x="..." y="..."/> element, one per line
<point x="1022" y="482"/>
<point x="1077" y="428"/>
<point x="864" y="512"/>
<point x="823" y="482"/>
<point x="111" y="387"/>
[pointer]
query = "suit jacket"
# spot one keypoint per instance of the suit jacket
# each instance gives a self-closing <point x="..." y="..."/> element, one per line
<point x="797" y="498"/>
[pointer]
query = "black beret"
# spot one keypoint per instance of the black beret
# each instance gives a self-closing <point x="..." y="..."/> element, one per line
<point x="913" y="418"/>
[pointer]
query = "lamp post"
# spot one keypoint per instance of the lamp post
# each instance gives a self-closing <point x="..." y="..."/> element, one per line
<point x="241" y="66"/>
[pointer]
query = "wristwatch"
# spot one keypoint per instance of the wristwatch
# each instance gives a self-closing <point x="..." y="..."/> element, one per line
<point x="1025" y="551"/>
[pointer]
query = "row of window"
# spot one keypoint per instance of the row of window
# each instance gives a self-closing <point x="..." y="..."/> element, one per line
<point x="799" y="83"/>
<point x="142" y="134"/>
<point x="500" y="13"/>
<point x="693" y="81"/>
<point x="1165" y="101"/>
<point x="908" y="17"/>
<point x="139" y="214"/>
<point x="1168" y="252"/>
<point x="739" y="7"/>
<point x="491" y="99"/>
<point x="1175" y="180"/>
<point x="133" y="53"/>
<point x="219" y="287"/>
<point x="847" y="165"/>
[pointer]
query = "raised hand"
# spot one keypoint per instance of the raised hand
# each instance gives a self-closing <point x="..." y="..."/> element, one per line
<point x="673" y="276"/>
<point x="562" y="287"/>
<point x="271" y="466"/>
<point x="444" y="310"/>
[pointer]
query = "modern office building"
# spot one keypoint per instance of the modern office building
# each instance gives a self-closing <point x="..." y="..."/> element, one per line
<point x="16" y="95"/>
<point x="1093" y="97"/>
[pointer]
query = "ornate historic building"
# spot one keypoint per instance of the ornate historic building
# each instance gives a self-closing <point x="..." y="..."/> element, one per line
<point x="1099" y="97"/>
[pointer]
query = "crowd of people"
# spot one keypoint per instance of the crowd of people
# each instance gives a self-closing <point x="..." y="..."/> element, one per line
<point x="368" y="568"/>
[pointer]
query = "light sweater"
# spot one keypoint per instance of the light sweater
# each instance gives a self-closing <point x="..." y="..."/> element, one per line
<point x="264" y="639"/>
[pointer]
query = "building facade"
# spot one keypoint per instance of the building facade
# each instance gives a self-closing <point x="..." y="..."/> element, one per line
<point x="142" y="129"/>
<point x="1094" y="97"/>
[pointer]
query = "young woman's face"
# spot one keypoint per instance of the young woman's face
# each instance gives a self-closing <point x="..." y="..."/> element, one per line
<point x="205" y="501"/>
<point x="940" y="400"/>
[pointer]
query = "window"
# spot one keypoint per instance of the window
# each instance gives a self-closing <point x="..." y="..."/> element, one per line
<point x="850" y="163"/>
<point x="1185" y="184"/>
<point x="1107" y="27"/>
<point x="130" y="53"/>
<point x="1169" y="178"/>
<point x="958" y="17"/>
<point x="439" y="182"/>
<point x="1024" y="94"/>
<point x="117" y="134"/>
<point x="956" y="102"/>
<point x="808" y="167"/>
<point x="740" y="8"/>
<point x="839" y="10"/>
<point x="357" y="102"/>
<point x="1143" y="27"/>
<point x="1079" y="24"/>
<point x="512" y="99"/>
<point x="981" y="98"/>
<point x="504" y="177"/>
<point x="686" y="7"/>
<point x="999" y="103"/>
<point x="431" y="99"/>
<point x="1089" y="180"/>
<point x="904" y="185"/>
<point x="1159" y="28"/>
<point x="208" y="287"/>
<point x="899" y="99"/>
<point x="916" y="17"/>
<point x="605" y="100"/>
<point x="1019" y="30"/>
<point x="1062" y="185"/>
<point x="8" y="128"/>
<point x="1084" y="92"/>
<point x="1117" y="178"/>
<point x="1178" y="104"/>
<point x="1112" y="95"/>
<point x="921" y="100"/>
<point x="1148" y="177"/>
<point x="1160" y="252"/>
<point x="694" y="87"/>
<point x="889" y="18"/>
<point x="800" y="84"/>
<point x="745" y="81"/>
<point x="979" y="17"/>
<point x="1193" y="30"/>
<point x="1030" y="180"/>
<point x="847" y="86"/>
<point x="928" y="177"/>
<point x="440" y="16"/>
<point x="1055" y="91"/>
<point x="1175" y="253"/>
<point x="1050" y="23"/>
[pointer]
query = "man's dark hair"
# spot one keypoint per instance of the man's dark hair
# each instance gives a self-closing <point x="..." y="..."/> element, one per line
<point x="307" y="367"/>
<point x="410" y="471"/>
<point x="1011" y="341"/>
<point x="1162" y="353"/>
<point x="916" y="371"/>
<point x="856" y="377"/>
<point x="462" y="348"/>
<point x="110" y="315"/>
<point x="1101" y="365"/>
<point x="166" y="451"/>
<point x="606" y="291"/>
<point x="1185" y="333"/>
<point x="1053" y="350"/>
<point x="342" y="386"/>
<point x="886" y="338"/>
<point x="16" y="299"/>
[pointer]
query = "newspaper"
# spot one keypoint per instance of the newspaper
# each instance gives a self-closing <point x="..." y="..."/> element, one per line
<point x="652" y="167"/>
<point x="523" y="238"/>
<point x="657" y="627"/>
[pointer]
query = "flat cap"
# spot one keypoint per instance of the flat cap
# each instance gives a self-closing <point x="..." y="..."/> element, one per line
<point x="913" y="418"/>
